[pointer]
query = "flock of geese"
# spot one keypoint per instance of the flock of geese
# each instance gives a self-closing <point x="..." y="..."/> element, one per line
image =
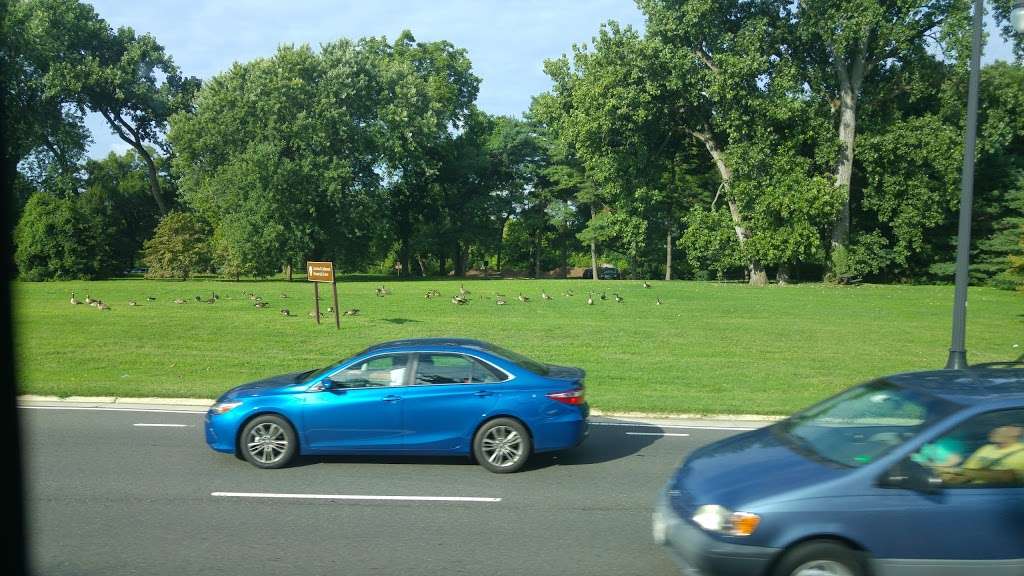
<point x="463" y="297"/>
<point x="460" y="299"/>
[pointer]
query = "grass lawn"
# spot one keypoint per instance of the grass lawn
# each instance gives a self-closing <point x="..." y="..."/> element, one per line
<point x="710" y="348"/>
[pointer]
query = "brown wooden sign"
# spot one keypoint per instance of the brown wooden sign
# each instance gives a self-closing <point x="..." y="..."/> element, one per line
<point x="320" y="271"/>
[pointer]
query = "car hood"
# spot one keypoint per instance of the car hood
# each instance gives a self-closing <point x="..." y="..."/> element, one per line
<point x="745" y="469"/>
<point x="565" y="372"/>
<point x="265" y="385"/>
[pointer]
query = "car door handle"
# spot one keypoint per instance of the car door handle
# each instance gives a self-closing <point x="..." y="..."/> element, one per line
<point x="483" y="393"/>
<point x="392" y="398"/>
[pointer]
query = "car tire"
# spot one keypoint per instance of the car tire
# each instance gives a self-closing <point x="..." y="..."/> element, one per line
<point x="268" y="442"/>
<point x="821" y="558"/>
<point x="502" y="445"/>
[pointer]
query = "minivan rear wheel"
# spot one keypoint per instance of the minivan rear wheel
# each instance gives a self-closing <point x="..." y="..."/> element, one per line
<point x="821" y="559"/>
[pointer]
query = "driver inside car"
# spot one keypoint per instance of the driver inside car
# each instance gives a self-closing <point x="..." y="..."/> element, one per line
<point x="1001" y="461"/>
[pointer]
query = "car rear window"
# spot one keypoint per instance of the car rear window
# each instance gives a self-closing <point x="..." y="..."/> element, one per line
<point x="519" y="360"/>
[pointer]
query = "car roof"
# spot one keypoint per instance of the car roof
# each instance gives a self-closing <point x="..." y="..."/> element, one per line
<point x="430" y="342"/>
<point x="969" y="386"/>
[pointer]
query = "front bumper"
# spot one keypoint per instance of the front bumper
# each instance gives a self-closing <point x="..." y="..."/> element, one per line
<point x="699" y="554"/>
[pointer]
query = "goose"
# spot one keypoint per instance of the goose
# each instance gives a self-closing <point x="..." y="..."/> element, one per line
<point x="435" y="292"/>
<point x="658" y="301"/>
<point x="313" y="314"/>
<point x="330" y="309"/>
<point x="523" y="299"/>
<point x="261" y="304"/>
<point x="429" y="295"/>
<point x="283" y="295"/>
<point x="75" y="300"/>
<point x="133" y="303"/>
<point x="500" y="301"/>
<point x="459" y="300"/>
<point x="88" y="299"/>
<point x="352" y="312"/>
<point x="286" y="312"/>
<point x="94" y="303"/>
<point x="544" y="295"/>
<point x="210" y="300"/>
<point x="151" y="298"/>
<point x="462" y="290"/>
<point x="102" y="306"/>
<point x="590" y="299"/>
<point x="216" y="296"/>
<point x="646" y="285"/>
<point x="603" y="296"/>
<point x="179" y="301"/>
<point x="618" y="298"/>
<point x="199" y="298"/>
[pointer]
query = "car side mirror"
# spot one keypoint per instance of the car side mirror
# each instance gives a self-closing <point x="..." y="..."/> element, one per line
<point x="910" y="475"/>
<point x="323" y="386"/>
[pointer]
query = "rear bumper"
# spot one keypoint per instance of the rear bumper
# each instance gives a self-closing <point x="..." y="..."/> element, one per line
<point x="561" y="433"/>
<point x="698" y="554"/>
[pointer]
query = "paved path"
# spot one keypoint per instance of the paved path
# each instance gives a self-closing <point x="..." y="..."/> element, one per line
<point x="136" y="491"/>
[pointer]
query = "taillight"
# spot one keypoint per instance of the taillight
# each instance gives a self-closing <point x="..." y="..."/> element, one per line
<point x="574" y="396"/>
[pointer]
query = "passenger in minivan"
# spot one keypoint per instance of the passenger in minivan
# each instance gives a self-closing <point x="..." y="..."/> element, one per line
<point x="1001" y="461"/>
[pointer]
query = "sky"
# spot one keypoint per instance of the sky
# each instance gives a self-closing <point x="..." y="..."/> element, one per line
<point x="507" y="41"/>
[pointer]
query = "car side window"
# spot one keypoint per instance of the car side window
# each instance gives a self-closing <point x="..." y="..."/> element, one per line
<point x="454" y="369"/>
<point x="984" y="451"/>
<point x="388" y="370"/>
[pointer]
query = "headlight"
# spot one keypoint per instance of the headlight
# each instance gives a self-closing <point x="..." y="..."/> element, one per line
<point x="715" y="518"/>
<point x="223" y="407"/>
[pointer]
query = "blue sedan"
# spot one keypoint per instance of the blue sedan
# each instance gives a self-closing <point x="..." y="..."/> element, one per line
<point x="916" y="474"/>
<point x="424" y="396"/>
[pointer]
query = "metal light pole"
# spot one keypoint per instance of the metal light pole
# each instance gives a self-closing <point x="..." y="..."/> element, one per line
<point x="957" y="351"/>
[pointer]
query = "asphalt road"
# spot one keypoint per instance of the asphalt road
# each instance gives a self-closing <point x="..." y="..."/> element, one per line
<point x="134" y="492"/>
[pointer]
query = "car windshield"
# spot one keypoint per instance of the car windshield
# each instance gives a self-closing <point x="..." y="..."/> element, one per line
<point x="519" y="360"/>
<point x="862" y="424"/>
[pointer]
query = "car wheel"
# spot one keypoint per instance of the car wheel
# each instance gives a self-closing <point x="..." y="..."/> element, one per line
<point x="821" y="559"/>
<point x="268" y="442"/>
<point x="502" y="445"/>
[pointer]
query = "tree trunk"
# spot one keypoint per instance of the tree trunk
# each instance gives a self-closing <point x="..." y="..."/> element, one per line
<point x="668" y="257"/>
<point x="125" y="132"/>
<point x="288" y="270"/>
<point x="758" y="276"/>
<point x="565" y="259"/>
<point x="593" y="248"/>
<point x="423" y="267"/>
<point x="501" y="241"/>
<point x="536" y="256"/>
<point x="849" y="87"/>
<point x="782" y="275"/>
<point x="460" y="260"/>
<point x="442" y="260"/>
<point x="404" y="258"/>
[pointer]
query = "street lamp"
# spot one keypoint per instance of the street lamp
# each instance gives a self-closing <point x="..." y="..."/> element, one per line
<point x="957" y="351"/>
<point x="1017" y="16"/>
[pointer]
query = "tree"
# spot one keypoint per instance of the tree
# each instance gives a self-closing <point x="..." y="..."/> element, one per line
<point x="180" y="247"/>
<point x="290" y="175"/>
<point x="56" y="241"/>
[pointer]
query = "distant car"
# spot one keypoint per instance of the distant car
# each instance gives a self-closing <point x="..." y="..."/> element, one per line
<point x="918" y="473"/>
<point x="426" y="396"/>
<point x="603" y="273"/>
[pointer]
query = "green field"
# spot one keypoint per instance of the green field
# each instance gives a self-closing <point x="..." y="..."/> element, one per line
<point x="710" y="348"/>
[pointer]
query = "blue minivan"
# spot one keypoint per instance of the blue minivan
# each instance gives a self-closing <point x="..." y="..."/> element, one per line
<point x="914" y="474"/>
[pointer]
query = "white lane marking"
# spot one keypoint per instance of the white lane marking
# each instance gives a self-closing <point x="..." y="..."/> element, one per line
<point x="354" y="497"/>
<point x="163" y="425"/>
<point x="655" y="434"/>
<point x="98" y="409"/>
<point x="669" y="426"/>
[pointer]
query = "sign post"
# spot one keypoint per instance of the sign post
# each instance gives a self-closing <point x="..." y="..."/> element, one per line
<point x="317" y="272"/>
